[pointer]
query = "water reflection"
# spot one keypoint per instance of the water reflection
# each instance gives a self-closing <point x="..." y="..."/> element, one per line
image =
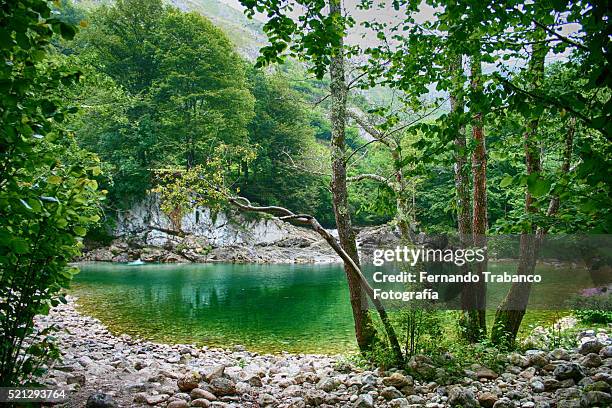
<point x="266" y="307"/>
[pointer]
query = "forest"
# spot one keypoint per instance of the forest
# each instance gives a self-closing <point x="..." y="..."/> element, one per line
<point x="466" y="118"/>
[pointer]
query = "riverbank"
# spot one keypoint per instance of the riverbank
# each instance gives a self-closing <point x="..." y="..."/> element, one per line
<point x="292" y="245"/>
<point x="145" y="233"/>
<point x="120" y="371"/>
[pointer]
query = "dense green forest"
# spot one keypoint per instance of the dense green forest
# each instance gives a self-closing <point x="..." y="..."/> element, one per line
<point x="163" y="88"/>
<point x="484" y="119"/>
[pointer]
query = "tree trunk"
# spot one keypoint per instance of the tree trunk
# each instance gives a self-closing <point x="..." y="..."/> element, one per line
<point x="405" y="211"/>
<point x="512" y="309"/>
<point x="469" y="320"/>
<point x="478" y="292"/>
<point x="364" y="328"/>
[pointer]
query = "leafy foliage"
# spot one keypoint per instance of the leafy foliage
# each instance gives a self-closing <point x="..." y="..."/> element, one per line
<point x="164" y="88"/>
<point x="48" y="187"/>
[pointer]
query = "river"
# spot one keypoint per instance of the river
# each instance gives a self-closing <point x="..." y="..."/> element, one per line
<point x="267" y="308"/>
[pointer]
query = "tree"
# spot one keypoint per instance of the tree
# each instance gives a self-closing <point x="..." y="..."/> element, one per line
<point x="163" y="87"/>
<point x="317" y="37"/>
<point x="48" y="191"/>
<point x="201" y="97"/>
<point x="282" y="135"/>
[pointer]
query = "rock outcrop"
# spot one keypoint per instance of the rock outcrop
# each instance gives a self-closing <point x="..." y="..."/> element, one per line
<point x="145" y="233"/>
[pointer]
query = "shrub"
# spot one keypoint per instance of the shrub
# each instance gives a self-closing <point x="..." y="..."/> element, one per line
<point x="593" y="306"/>
<point x="47" y="192"/>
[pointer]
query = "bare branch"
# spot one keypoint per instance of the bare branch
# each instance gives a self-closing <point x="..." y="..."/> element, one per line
<point x="303" y="168"/>
<point x="418" y="119"/>
<point x="317" y="103"/>
<point x="564" y="39"/>
<point x="326" y="235"/>
<point x="354" y="152"/>
<point x="168" y="231"/>
<point x="349" y="86"/>
<point x="369" y="128"/>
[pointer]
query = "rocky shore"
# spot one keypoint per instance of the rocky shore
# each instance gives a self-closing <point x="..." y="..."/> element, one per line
<point x="103" y="370"/>
<point x="295" y="245"/>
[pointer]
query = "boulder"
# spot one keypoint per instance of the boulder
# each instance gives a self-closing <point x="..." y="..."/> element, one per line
<point x="598" y="386"/>
<point x="200" y="402"/>
<point x="267" y="400"/>
<point x="503" y="403"/>
<point x="568" y="371"/>
<point x="422" y="367"/>
<point x="398" y="380"/>
<point x="328" y="384"/>
<point x="315" y="397"/>
<point x="518" y="360"/>
<point x="156" y="399"/>
<point x="211" y="373"/>
<point x="223" y="386"/>
<point x="596" y="399"/>
<point x="591" y="360"/>
<point x="487" y="399"/>
<point x="570" y="403"/>
<point x="606" y="352"/>
<point x="390" y="393"/>
<point x="399" y="403"/>
<point x="486" y="373"/>
<point x="537" y="358"/>
<point x="189" y="382"/>
<point x="559" y="354"/>
<point x="537" y="386"/>
<point x="368" y="379"/>
<point x="364" y="401"/>
<point x="101" y="400"/>
<point x="590" y="346"/>
<point x="254" y="381"/>
<point x="178" y="404"/>
<point x="200" y="393"/>
<point x="459" y="396"/>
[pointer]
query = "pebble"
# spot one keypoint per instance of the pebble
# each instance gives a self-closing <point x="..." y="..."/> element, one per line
<point x="132" y="371"/>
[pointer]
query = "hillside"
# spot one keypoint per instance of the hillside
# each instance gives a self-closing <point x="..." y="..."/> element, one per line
<point x="246" y="34"/>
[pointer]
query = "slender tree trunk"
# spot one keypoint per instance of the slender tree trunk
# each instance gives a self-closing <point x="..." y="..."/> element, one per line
<point x="470" y="319"/>
<point x="512" y="309"/>
<point x="462" y="177"/>
<point x="405" y="211"/>
<point x="479" y="214"/>
<point x="364" y="328"/>
<point x="286" y="215"/>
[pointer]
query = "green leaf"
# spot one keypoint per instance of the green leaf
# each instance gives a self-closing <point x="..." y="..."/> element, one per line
<point x="20" y="246"/>
<point x="54" y="179"/>
<point x="538" y="186"/>
<point x="67" y="31"/>
<point x="80" y="231"/>
<point x="506" y="181"/>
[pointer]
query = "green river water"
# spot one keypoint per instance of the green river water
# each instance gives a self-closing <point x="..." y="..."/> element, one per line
<point x="267" y="308"/>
